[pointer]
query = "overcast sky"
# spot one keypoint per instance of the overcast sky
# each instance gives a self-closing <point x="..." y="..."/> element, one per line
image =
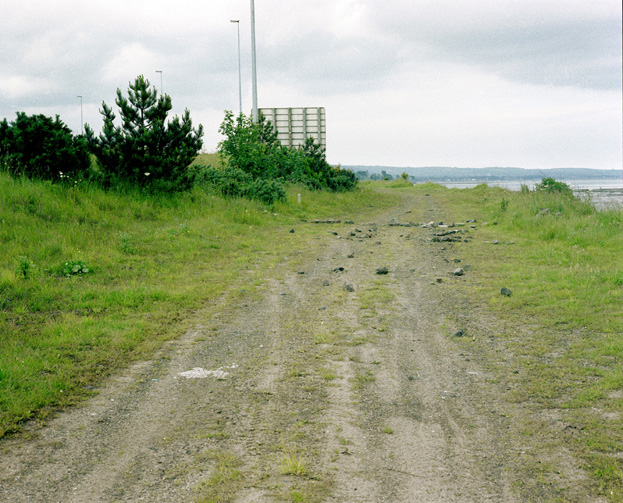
<point x="525" y="83"/>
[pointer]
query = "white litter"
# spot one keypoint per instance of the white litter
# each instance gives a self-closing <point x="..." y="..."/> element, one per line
<point x="201" y="373"/>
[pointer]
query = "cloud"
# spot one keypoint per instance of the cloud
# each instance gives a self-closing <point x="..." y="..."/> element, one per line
<point x="458" y="116"/>
<point x="550" y="43"/>
<point x="17" y="86"/>
<point x="335" y="65"/>
<point x="127" y="61"/>
<point x="405" y="82"/>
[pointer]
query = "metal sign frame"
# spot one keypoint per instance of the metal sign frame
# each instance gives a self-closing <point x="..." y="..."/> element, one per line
<point x="295" y="124"/>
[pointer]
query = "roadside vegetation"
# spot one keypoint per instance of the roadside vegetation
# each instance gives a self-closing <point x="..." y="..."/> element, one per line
<point x="111" y="242"/>
<point x="258" y="166"/>
<point x="562" y="329"/>
<point x="144" y="148"/>
<point x="91" y="279"/>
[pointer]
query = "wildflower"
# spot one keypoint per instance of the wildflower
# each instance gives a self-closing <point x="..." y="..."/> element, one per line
<point x="147" y="174"/>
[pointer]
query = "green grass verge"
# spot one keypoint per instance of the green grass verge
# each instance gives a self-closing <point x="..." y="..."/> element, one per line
<point x="563" y="261"/>
<point x="91" y="280"/>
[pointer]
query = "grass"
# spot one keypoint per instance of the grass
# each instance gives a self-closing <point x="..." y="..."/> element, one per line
<point x="222" y="484"/>
<point x="292" y="464"/>
<point x="209" y="159"/>
<point x="91" y="280"/>
<point x="564" y="321"/>
<point x="144" y="265"/>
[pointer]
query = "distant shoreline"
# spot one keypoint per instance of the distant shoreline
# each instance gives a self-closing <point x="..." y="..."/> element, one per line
<point x="491" y="174"/>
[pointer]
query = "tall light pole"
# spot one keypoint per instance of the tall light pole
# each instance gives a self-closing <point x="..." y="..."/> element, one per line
<point x="253" y="65"/>
<point x="161" y="88"/>
<point x="81" y="119"/>
<point x="237" y="21"/>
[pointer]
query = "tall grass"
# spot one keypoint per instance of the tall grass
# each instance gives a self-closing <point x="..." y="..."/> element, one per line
<point x="144" y="264"/>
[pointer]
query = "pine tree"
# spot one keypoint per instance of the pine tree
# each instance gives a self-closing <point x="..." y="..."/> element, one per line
<point x="145" y="150"/>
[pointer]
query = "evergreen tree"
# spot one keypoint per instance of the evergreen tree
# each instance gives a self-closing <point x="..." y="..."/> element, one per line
<point x="145" y="150"/>
<point x="41" y="147"/>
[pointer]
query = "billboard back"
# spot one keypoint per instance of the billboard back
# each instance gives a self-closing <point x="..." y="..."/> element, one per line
<point x="294" y="125"/>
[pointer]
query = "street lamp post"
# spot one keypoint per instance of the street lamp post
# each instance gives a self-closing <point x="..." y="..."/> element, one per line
<point x="237" y="21"/>
<point x="161" y="88"/>
<point x="253" y="65"/>
<point x="81" y="116"/>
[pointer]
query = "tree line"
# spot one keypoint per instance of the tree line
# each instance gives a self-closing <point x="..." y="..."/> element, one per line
<point x="146" y="149"/>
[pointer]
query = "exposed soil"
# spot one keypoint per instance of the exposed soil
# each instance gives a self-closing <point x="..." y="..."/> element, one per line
<point x="323" y="394"/>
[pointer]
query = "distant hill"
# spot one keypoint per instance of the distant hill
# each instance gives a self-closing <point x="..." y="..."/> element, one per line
<point x="441" y="173"/>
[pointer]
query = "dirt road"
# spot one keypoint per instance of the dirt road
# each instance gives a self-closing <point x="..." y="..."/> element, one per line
<point x="331" y="382"/>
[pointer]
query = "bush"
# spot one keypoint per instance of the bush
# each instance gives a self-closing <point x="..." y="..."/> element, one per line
<point x="266" y="191"/>
<point x="552" y="186"/>
<point x="146" y="150"/>
<point x="251" y="147"/>
<point x="254" y="149"/>
<point x="40" y="147"/>
<point x="234" y="182"/>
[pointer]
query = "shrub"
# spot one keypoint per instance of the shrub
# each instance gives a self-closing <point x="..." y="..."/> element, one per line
<point x="234" y="182"/>
<point x="550" y="185"/>
<point x="44" y="148"/>
<point x="251" y="147"/>
<point x="254" y="149"/>
<point x="266" y="191"/>
<point x="146" y="150"/>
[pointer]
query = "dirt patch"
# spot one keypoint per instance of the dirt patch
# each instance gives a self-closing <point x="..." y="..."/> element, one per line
<point x="307" y="392"/>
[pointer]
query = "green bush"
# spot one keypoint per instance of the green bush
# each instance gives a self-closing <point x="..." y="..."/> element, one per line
<point x="146" y="150"/>
<point x="552" y="186"/>
<point x="40" y="147"/>
<point x="254" y="149"/>
<point x="248" y="146"/>
<point x="266" y="191"/>
<point x="234" y="182"/>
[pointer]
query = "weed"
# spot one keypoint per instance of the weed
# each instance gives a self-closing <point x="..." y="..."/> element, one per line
<point x="363" y="379"/>
<point x="298" y="496"/>
<point x="24" y="266"/>
<point x="291" y="464"/>
<point x="126" y="244"/>
<point x="327" y="375"/>
<point x="296" y="372"/>
<point x="72" y="268"/>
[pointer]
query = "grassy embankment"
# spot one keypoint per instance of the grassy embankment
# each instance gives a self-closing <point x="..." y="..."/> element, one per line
<point x="90" y="280"/>
<point x="561" y="331"/>
<point x="153" y="262"/>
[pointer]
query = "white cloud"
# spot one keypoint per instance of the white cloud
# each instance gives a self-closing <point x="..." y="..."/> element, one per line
<point x="436" y="118"/>
<point x="129" y="60"/>
<point x="17" y="86"/>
